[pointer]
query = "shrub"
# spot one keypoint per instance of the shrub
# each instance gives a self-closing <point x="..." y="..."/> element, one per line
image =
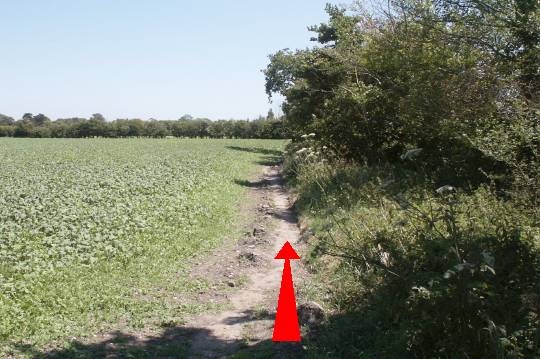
<point x="421" y="272"/>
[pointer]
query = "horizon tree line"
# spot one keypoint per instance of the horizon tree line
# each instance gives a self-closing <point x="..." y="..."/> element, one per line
<point x="41" y="126"/>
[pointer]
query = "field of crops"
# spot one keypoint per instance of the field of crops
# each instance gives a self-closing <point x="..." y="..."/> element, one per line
<point x="96" y="231"/>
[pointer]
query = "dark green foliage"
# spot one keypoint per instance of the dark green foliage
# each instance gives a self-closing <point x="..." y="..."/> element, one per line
<point x="97" y="126"/>
<point x="420" y="272"/>
<point x="422" y="77"/>
<point x="416" y="160"/>
<point x="6" y="120"/>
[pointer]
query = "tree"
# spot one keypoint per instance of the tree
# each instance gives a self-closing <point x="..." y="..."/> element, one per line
<point x="93" y="127"/>
<point x="157" y="129"/>
<point x="270" y="115"/>
<point x="6" y="120"/>
<point x="97" y="126"/>
<point x="507" y="30"/>
<point x="121" y="127"/>
<point x="136" y="127"/>
<point x="27" y="117"/>
<point x="98" y="117"/>
<point x="40" y="120"/>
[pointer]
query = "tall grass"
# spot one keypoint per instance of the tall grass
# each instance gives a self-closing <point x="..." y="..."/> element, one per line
<point x="417" y="270"/>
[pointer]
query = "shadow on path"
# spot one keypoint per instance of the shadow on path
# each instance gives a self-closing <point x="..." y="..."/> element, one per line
<point x="251" y="184"/>
<point x="271" y="181"/>
<point x="275" y="181"/>
<point x="173" y="342"/>
<point x="270" y="158"/>
<point x="262" y="151"/>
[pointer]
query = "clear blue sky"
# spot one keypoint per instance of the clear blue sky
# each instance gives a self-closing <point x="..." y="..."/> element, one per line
<point x="144" y="58"/>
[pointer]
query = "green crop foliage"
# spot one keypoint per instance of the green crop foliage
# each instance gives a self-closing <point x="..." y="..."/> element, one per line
<point x="95" y="232"/>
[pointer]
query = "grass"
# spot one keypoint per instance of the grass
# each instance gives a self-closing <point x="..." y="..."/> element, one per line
<point x="97" y="232"/>
<point x="408" y="269"/>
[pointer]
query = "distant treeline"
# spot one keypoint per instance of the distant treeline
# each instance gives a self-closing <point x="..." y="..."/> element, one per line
<point x="40" y="126"/>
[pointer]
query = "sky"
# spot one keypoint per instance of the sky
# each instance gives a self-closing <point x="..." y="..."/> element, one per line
<point x="145" y="59"/>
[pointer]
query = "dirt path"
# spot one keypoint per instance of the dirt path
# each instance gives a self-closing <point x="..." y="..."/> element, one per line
<point x="249" y="321"/>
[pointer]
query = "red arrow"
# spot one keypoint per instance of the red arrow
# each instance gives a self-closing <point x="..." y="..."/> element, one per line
<point x="286" y="328"/>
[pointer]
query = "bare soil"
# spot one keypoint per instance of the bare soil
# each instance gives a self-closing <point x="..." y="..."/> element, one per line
<point x="249" y="321"/>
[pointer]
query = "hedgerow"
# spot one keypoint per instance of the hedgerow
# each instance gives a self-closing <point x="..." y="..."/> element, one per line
<point x="415" y="158"/>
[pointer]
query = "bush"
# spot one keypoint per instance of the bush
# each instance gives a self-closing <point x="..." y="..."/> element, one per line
<point x="420" y="271"/>
<point x="423" y="76"/>
<point x="7" y="131"/>
<point x="416" y="155"/>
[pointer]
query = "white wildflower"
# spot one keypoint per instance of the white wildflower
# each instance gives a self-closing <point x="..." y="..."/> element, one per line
<point x="445" y="189"/>
<point x="384" y="257"/>
<point x="410" y="154"/>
